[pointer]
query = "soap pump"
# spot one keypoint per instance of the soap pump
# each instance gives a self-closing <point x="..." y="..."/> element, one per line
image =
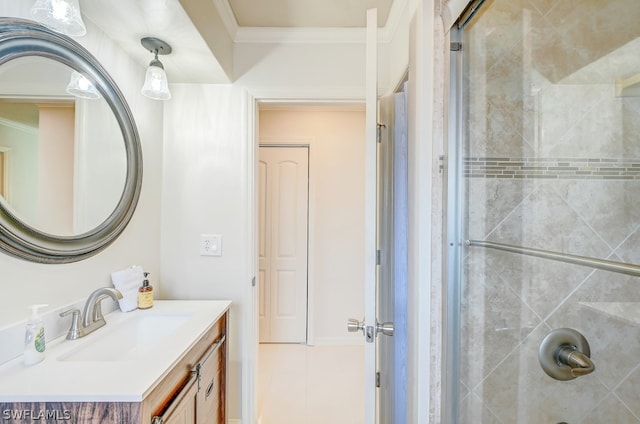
<point x="145" y="294"/>
<point x="34" y="340"/>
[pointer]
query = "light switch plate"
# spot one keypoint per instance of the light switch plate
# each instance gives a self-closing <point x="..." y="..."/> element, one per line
<point x="210" y="245"/>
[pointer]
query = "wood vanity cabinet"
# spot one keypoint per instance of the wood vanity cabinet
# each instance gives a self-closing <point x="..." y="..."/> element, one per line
<point x="193" y="392"/>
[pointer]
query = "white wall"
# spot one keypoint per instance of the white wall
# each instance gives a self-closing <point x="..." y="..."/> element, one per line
<point x="100" y="167"/>
<point x="22" y="144"/>
<point x="317" y="71"/>
<point x="335" y="137"/>
<point x="205" y="191"/>
<point x="55" y="173"/>
<point x="24" y="283"/>
<point x="208" y="180"/>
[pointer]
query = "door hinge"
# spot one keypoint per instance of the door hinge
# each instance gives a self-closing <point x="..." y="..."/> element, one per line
<point x="253" y="282"/>
<point x="441" y="166"/>
<point x="378" y="256"/>
<point x="455" y="46"/>
<point x="379" y="132"/>
<point x="378" y="379"/>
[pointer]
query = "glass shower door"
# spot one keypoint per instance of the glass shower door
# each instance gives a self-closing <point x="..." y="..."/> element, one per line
<point x="549" y="159"/>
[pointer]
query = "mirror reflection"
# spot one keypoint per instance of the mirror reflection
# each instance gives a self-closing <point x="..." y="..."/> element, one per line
<point x="62" y="158"/>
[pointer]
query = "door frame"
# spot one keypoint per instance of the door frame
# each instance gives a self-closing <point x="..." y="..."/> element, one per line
<point x="5" y="169"/>
<point x="253" y="98"/>
<point x="425" y="309"/>
<point x="307" y="96"/>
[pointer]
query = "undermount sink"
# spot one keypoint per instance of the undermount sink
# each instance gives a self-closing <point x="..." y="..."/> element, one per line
<point x="129" y="339"/>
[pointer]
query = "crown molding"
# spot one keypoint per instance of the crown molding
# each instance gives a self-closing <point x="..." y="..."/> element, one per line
<point x="398" y="8"/>
<point x="227" y="16"/>
<point x="300" y="35"/>
<point x="26" y="128"/>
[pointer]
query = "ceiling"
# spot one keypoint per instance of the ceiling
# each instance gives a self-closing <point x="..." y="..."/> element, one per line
<point x="192" y="60"/>
<point x="126" y="22"/>
<point x="307" y="13"/>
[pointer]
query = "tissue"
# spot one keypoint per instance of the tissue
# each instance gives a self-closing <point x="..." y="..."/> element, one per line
<point x="127" y="281"/>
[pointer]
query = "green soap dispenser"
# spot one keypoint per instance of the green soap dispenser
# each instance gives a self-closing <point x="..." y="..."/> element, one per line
<point x="34" y="341"/>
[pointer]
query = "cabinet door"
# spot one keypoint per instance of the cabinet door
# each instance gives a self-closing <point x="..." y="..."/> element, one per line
<point x="210" y="398"/>
<point x="182" y="409"/>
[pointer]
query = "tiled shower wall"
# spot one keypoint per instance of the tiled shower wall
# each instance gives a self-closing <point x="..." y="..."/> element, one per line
<point x="552" y="161"/>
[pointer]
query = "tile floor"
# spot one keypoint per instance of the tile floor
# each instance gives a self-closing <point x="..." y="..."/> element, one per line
<point x="300" y="384"/>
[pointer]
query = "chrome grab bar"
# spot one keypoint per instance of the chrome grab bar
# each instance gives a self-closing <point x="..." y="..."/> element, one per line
<point x="603" y="264"/>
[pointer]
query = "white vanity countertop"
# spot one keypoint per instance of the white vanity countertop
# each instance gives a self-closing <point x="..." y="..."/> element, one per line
<point x="128" y="379"/>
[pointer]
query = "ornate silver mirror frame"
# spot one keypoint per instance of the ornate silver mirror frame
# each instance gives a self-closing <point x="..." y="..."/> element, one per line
<point x="19" y="38"/>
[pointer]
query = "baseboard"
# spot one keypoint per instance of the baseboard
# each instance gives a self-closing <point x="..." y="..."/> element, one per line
<point x="338" y="341"/>
<point x="233" y="421"/>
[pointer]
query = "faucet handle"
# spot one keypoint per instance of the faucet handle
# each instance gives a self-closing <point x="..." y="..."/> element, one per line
<point x="74" y="331"/>
<point x="74" y="311"/>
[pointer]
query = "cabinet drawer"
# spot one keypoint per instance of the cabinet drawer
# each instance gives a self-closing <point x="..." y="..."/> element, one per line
<point x="182" y="409"/>
<point x="209" y="400"/>
<point x="167" y="390"/>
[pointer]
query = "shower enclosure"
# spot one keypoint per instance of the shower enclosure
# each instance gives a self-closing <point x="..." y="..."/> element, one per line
<point x="545" y="155"/>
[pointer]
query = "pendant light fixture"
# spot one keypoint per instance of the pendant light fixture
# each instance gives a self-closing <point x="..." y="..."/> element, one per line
<point x="80" y="86"/>
<point x="60" y="15"/>
<point x="156" y="85"/>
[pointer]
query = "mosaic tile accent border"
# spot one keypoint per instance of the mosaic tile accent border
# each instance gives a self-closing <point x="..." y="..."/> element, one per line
<point x="550" y="168"/>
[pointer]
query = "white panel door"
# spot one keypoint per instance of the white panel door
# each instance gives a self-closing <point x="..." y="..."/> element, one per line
<point x="370" y="247"/>
<point x="369" y="325"/>
<point x="283" y="220"/>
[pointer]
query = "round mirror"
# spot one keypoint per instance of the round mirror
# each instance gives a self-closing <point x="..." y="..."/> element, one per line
<point x="70" y="156"/>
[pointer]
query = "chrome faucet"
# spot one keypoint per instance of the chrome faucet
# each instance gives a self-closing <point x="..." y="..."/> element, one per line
<point x="91" y="317"/>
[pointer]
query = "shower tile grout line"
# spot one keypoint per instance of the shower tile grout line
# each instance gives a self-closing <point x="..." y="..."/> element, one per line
<point x="518" y="345"/>
<point x="612" y="391"/>
<point x="615" y="249"/>
<point x="586" y="222"/>
<point x="507" y="216"/>
<point x="580" y="120"/>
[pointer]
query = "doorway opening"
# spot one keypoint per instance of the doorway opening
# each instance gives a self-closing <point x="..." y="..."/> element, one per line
<point x="326" y="363"/>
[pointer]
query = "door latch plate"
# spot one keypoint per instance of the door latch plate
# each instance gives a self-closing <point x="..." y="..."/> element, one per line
<point x="370" y="334"/>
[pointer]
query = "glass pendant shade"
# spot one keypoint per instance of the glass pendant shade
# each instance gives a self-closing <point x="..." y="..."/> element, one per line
<point x="81" y="87"/>
<point x="60" y="15"/>
<point x="156" y="85"/>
